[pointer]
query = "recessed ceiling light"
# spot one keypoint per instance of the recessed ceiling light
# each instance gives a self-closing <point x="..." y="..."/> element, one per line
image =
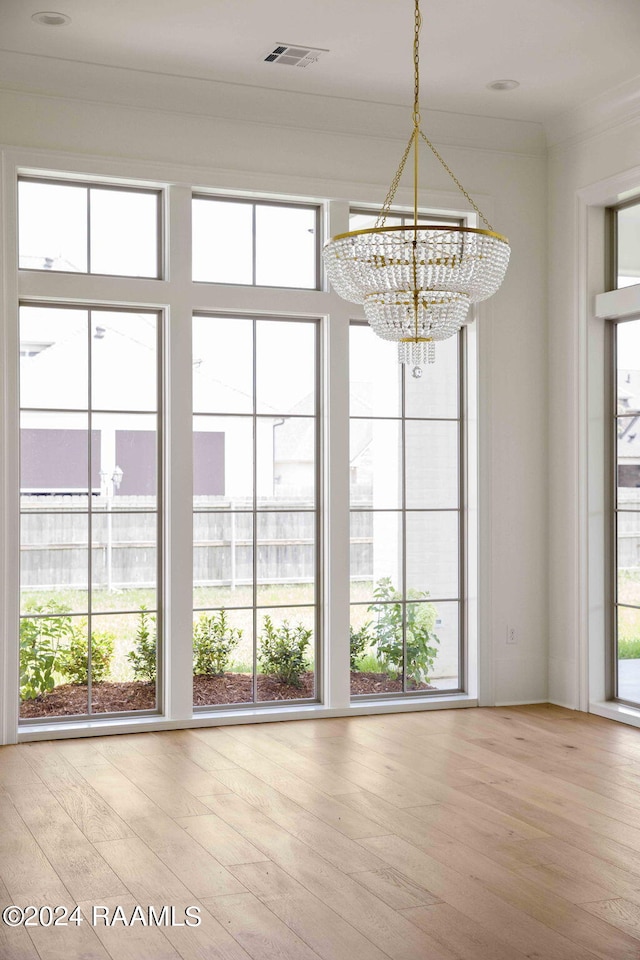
<point x="503" y="85"/>
<point x="50" y="19"/>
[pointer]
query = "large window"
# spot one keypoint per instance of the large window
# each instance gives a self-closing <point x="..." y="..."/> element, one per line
<point x="627" y="512"/>
<point x="90" y="533"/>
<point x="255" y="399"/>
<point x="406" y="518"/>
<point x="185" y="469"/>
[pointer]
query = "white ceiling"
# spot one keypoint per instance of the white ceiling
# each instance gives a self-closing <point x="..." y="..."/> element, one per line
<point x="563" y="52"/>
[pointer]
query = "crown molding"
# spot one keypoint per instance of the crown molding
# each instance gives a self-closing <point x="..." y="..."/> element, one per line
<point x="614" y="108"/>
<point x="73" y="80"/>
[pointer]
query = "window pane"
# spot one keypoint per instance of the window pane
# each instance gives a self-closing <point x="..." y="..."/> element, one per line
<point x="222" y="365"/>
<point x="431" y="464"/>
<point x="433" y="649"/>
<point x="124" y="648"/>
<point x="54" y="559"/>
<point x="222" y="560"/>
<point x="52" y="221"/>
<point x="54" y="354"/>
<point x="629" y="557"/>
<point x="629" y="463"/>
<point x="53" y="666"/>
<point x="286" y="653"/>
<point x="285" y="367"/>
<point x="124" y="232"/>
<point x="375" y="375"/>
<point x="222" y="241"/>
<point x="124" y="561"/>
<point x="124" y="361"/>
<point x="435" y="394"/>
<point x="376" y="649"/>
<point x="628" y="246"/>
<point x="285" y="246"/>
<point x="125" y="458"/>
<point x="222" y="657"/>
<point x="375" y="463"/>
<point x="432" y="555"/>
<point x="223" y="463"/>
<point x="366" y="221"/>
<point x="286" y="462"/>
<point x="376" y="553"/>
<point x="286" y="558"/>
<point x="629" y="654"/>
<point x="54" y="460"/>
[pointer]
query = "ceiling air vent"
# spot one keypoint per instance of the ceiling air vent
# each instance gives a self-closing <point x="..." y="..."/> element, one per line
<point x="297" y="56"/>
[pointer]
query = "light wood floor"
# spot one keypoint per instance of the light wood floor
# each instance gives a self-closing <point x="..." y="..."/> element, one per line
<point x="491" y="834"/>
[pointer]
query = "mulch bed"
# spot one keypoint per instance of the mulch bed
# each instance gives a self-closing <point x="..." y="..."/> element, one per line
<point x="71" y="699"/>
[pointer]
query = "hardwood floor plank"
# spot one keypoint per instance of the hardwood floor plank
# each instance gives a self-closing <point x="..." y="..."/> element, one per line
<point x="134" y="942"/>
<point x="472" y="898"/>
<point x="620" y="913"/>
<point x="196" y="867"/>
<point x="88" y="810"/>
<point x="118" y="792"/>
<point x="15" y="943"/>
<point x="395" y="935"/>
<point x="320" y="927"/>
<point x="344" y="853"/>
<point x="257" y="929"/>
<point x="80" y="867"/>
<point x="269" y="759"/>
<point x="467" y="939"/>
<point x="149" y="880"/>
<point x="164" y="789"/>
<point x="222" y="841"/>
<point x="24" y="869"/>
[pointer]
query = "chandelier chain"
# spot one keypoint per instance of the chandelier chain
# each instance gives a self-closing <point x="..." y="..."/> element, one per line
<point x="456" y="181"/>
<point x="386" y="206"/>
<point x="416" y="65"/>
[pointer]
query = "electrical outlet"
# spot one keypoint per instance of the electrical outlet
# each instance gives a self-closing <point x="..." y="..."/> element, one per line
<point x="511" y="635"/>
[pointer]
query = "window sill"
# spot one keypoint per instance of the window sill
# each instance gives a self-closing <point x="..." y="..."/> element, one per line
<point x="94" y="728"/>
<point x="612" y="710"/>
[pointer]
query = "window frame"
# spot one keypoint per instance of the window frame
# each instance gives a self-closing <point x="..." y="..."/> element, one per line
<point x="255" y="202"/>
<point x="403" y="511"/>
<point x="254" y="416"/>
<point x="159" y="513"/>
<point x="178" y="296"/>
<point x="101" y="185"/>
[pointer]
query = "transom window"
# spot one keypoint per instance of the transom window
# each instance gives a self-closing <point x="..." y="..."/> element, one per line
<point x="255" y="243"/>
<point x="88" y="228"/>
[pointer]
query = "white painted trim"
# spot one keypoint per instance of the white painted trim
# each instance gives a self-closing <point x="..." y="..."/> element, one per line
<point x="614" y="108"/>
<point x="25" y="77"/>
<point x="9" y="464"/>
<point x="618" y="303"/>
<point x="266" y="715"/>
<point x="616" y="711"/>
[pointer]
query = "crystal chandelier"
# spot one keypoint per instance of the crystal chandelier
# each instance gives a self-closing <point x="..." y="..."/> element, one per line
<point x="417" y="282"/>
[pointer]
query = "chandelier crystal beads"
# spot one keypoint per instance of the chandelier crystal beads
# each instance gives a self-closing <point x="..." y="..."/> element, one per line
<point x="417" y="282"/>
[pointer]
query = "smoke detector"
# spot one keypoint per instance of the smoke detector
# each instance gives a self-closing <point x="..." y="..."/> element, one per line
<point x="294" y="56"/>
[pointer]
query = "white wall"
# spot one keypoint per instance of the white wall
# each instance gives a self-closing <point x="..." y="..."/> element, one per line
<point x="245" y="138"/>
<point x="593" y="162"/>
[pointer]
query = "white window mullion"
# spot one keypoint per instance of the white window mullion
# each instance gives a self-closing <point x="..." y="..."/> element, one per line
<point x="179" y="463"/>
<point x="336" y="501"/>
<point x="337" y="681"/>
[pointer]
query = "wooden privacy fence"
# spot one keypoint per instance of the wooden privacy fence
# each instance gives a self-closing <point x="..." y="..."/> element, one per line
<point x="55" y="550"/>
